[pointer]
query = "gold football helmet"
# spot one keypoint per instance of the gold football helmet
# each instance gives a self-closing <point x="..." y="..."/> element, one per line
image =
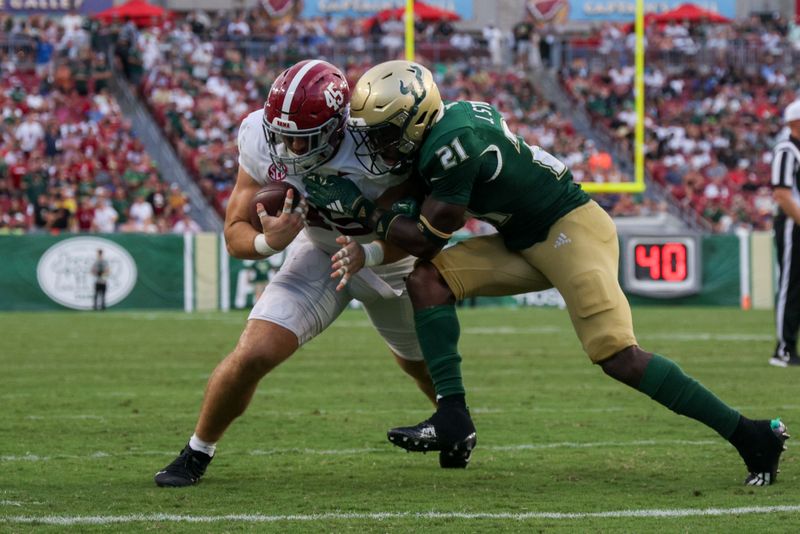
<point x="392" y="107"/>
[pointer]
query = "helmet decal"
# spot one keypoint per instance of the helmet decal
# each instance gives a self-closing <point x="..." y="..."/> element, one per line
<point x="290" y="92"/>
<point x="334" y="98"/>
<point x="417" y="87"/>
<point x="417" y="90"/>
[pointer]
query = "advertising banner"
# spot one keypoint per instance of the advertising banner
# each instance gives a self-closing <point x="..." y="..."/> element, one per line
<point x="55" y="272"/>
<point x="54" y="7"/>
<point x="622" y="10"/>
<point x="367" y="8"/>
<point x="193" y="272"/>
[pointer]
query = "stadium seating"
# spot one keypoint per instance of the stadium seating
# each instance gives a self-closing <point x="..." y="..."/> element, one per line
<point x="68" y="156"/>
<point x="712" y="114"/>
<point x="199" y="89"/>
<point x="714" y="95"/>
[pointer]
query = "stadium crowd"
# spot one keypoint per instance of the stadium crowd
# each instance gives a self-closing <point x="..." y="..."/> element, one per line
<point x="199" y="90"/>
<point x="713" y="98"/>
<point x="69" y="160"/>
<point x="68" y="154"/>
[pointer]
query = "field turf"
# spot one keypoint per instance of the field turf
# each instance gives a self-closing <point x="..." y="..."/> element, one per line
<point x="93" y="404"/>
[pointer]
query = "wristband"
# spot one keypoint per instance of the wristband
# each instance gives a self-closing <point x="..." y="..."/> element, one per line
<point x="373" y="254"/>
<point x="262" y="247"/>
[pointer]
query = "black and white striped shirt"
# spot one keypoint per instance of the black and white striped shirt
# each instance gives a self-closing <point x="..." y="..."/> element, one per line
<point x="786" y="164"/>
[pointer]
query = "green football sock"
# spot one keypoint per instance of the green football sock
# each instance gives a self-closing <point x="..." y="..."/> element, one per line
<point x="666" y="383"/>
<point x="438" y="332"/>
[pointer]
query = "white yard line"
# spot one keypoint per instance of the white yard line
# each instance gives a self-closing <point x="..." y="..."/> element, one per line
<point x="382" y="516"/>
<point x="368" y="450"/>
<point x="18" y="503"/>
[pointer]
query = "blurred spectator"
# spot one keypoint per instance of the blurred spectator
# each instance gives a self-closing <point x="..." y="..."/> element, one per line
<point x="105" y="217"/>
<point x="84" y="216"/>
<point x="29" y="133"/>
<point x="140" y="216"/>
<point x="186" y="225"/>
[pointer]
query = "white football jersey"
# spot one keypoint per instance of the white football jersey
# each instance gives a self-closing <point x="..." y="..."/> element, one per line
<point x="254" y="158"/>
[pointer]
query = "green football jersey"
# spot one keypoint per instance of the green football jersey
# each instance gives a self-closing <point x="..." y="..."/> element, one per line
<point x="471" y="158"/>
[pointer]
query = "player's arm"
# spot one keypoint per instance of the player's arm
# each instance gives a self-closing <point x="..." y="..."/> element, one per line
<point x="241" y="238"/>
<point x="452" y="171"/>
<point x="353" y="257"/>
<point x="404" y="198"/>
<point x="239" y="234"/>
<point x="422" y="235"/>
<point x="426" y="236"/>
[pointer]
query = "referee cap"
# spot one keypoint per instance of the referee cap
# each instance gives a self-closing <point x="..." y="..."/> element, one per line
<point x="792" y="112"/>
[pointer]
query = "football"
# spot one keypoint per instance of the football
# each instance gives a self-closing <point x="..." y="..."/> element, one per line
<point x="271" y="196"/>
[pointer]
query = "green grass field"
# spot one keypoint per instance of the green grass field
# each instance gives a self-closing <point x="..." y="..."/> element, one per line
<point x="94" y="404"/>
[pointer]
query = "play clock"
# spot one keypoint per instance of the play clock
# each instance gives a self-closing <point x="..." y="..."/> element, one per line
<point x="661" y="266"/>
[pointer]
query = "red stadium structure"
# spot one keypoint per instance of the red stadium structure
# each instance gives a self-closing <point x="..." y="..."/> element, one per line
<point x="422" y="12"/>
<point x="140" y="12"/>
<point x="682" y="13"/>
<point x="689" y="13"/>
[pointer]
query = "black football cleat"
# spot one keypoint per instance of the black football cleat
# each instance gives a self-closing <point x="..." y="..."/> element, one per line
<point x="762" y="463"/>
<point x="185" y="470"/>
<point x="455" y="458"/>
<point x="448" y="431"/>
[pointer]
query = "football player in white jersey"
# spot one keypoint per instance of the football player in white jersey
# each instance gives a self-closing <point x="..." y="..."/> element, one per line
<point x="301" y="130"/>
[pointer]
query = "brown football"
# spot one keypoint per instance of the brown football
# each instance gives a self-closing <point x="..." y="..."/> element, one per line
<point x="272" y="197"/>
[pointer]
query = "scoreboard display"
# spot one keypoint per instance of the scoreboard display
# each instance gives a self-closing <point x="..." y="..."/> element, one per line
<point x="661" y="266"/>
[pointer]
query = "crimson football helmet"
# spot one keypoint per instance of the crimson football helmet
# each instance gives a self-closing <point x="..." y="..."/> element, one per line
<point x="305" y="115"/>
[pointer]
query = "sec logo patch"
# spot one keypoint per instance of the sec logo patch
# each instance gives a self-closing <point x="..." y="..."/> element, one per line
<point x="277" y="172"/>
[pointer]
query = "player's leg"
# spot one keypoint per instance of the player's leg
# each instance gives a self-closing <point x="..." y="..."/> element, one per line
<point x="787" y="300"/>
<point x="393" y="318"/>
<point x="262" y="346"/>
<point x="478" y="266"/>
<point x="298" y="304"/>
<point x="585" y="272"/>
<point x="759" y="442"/>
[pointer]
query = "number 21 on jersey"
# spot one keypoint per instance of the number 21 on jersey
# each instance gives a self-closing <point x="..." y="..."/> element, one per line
<point x="452" y="154"/>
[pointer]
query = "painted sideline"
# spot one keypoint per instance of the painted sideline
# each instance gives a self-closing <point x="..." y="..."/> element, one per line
<point x="379" y="516"/>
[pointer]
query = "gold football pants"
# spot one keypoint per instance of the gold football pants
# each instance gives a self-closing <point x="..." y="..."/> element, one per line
<point x="580" y="257"/>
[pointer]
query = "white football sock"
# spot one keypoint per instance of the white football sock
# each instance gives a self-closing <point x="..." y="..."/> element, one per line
<point x="199" y="445"/>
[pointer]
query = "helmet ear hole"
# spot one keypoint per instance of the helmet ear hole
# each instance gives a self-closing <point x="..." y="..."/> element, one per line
<point x="421" y="119"/>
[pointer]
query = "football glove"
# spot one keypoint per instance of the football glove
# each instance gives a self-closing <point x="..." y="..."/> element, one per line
<point x="340" y="196"/>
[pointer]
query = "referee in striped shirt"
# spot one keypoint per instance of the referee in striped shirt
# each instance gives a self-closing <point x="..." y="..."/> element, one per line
<point x="786" y="192"/>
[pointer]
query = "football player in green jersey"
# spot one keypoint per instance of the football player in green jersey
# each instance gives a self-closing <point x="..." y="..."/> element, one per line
<point x="550" y="234"/>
